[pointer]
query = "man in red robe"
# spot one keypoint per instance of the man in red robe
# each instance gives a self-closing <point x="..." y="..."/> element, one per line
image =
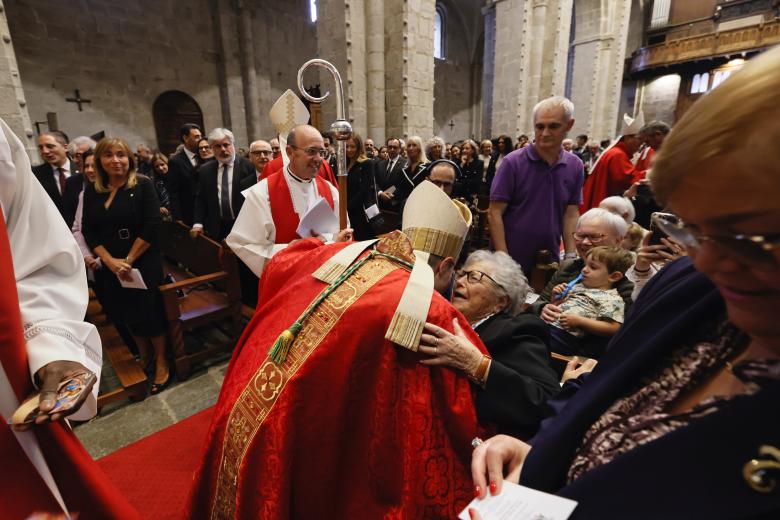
<point x="652" y="136"/>
<point x="613" y="172"/>
<point x="340" y="419"/>
<point x="43" y="298"/>
<point x="276" y="165"/>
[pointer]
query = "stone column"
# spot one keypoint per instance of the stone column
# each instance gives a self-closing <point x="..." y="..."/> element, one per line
<point x="375" y="66"/>
<point x="246" y="56"/>
<point x="601" y="29"/>
<point x="531" y="43"/>
<point x="13" y="106"/>
<point x="409" y="67"/>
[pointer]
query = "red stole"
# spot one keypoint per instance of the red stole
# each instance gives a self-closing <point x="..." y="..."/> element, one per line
<point x="84" y="487"/>
<point x="286" y="220"/>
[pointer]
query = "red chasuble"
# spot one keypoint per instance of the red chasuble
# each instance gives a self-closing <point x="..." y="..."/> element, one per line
<point x="85" y="488"/>
<point x="276" y="165"/>
<point x="286" y="220"/>
<point x="349" y="425"/>
<point x="612" y="176"/>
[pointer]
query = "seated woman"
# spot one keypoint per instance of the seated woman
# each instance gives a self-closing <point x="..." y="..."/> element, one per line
<point x="679" y="419"/>
<point x="515" y="384"/>
<point x="120" y="223"/>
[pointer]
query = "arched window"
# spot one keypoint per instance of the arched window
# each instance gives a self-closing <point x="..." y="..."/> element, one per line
<point x="313" y="11"/>
<point x="440" y="33"/>
<point x="700" y="83"/>
<point x="695" y="83"/>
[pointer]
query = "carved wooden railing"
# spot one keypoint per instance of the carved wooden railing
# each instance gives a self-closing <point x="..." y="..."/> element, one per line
<point x="706" y="45"/>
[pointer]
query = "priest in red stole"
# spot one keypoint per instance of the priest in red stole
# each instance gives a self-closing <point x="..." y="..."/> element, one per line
<point x="613" y="172"/>
<point x="273" y="207"/>
<point x="326" y="411"/>
<point x="43" y="298"/>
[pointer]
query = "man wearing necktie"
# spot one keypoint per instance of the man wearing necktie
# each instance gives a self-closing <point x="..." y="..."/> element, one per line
<point x="218" y="197"/>
<point x="57" y="169"/>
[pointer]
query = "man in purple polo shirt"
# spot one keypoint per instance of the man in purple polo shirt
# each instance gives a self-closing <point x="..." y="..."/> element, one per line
<point x="535" y="196"/>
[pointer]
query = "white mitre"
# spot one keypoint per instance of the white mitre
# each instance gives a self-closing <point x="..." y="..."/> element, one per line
<point x="287" y="113"/>
<point x="435" y="225"/>
<point x="632" y="126"/>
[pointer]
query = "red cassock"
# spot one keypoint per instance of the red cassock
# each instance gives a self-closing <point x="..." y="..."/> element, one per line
<point x="84" y="487"/>
<point x="612" y="176"/>
<point x="276" y="165"/>
<point x="349" y="425"/>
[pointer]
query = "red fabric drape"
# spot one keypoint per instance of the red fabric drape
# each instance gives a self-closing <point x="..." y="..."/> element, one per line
<point x="84" y="487"/>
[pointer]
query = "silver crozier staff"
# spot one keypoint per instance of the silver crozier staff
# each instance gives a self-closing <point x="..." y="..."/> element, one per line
<point x="340" y="129"/>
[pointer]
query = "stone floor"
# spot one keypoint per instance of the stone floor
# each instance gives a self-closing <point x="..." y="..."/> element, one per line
<point x="123" y="423"/>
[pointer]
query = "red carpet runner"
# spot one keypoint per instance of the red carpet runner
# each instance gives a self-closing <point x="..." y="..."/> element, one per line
<point x="155" y="473"/>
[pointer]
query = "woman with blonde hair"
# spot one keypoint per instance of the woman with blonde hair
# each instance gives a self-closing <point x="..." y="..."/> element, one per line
<point x="434" y="148"/>
<point x="413" y="173"/>
<point x="361" y="189"/>
<point x="684" y="404"/>
<point x="120" y="223"/>
<point x="467" y="187"/>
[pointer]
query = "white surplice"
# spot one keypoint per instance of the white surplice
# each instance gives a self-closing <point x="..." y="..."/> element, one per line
<point x="253" y="235"/>
<point x="51" y="284"/>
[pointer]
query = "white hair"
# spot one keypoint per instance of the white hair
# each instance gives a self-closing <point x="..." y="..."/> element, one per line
<point x="78" y="141"/>
<point x="507" y="273"/>
<point x="218" y="134"/>
<point x="620" y="206"/>
<point x="431" y="143"/>
<point x="556" y="102"/>
<point x="614" y="223"/>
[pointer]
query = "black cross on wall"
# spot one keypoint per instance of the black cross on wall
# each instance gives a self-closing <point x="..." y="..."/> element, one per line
<point x="78" y="99"/>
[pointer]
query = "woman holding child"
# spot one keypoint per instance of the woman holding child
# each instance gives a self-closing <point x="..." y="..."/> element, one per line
<point x="679" y="419"/>
<point x="490" y="291"/>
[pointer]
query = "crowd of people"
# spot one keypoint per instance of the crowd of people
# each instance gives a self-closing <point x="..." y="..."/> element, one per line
<point x="664" y="244"/>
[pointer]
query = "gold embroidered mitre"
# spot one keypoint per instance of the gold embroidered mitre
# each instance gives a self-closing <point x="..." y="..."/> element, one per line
<point x="435" y="224"/>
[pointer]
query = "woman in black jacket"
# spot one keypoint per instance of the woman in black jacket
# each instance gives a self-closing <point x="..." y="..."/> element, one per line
<point x="467" y="187"/>
<point x="120" y="223"/>
<point x="515" y="384"/>
<point x="361" y="189"/>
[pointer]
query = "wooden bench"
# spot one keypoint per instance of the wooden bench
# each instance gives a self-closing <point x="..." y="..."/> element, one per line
<point x="130" y="375"/>
<point x="206" y="274"/>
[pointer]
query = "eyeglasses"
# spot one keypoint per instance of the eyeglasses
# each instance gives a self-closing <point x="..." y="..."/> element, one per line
<point x="206" y="147"/>
<point x="262" y="152"/>
<point x="595" y="238"/>
<point x="754" y="250"/>
<point x="475" y="276"/>
<point x="312" y="151"/>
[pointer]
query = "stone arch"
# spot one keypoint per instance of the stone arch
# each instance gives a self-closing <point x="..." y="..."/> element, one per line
<point x="170" y="110"/>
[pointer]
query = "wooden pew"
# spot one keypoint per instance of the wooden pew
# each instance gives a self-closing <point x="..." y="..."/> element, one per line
<point x="131" y="376"/>
<point x="207" y="275"/>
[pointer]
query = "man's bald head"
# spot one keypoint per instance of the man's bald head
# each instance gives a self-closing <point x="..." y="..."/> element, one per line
<point x="306" y="149"/>
<point x="260" y="153"/>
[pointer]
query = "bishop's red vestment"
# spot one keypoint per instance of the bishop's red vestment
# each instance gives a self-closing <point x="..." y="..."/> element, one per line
<point x="349" y="425"/>
<point x="84" y="487"/>
<point x="612" y="176"/>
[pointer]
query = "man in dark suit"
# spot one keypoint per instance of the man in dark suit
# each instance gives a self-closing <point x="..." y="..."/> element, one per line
<point x="218" y="198"/>
<point x="55" y="172"/>
<point x="182" y="180"/>
<point x="260" y="154"/>
<point x="389" y="171"/>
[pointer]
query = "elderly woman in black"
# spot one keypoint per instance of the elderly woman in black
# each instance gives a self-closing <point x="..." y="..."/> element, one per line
<point x="490" y="291"/>
<point x="120" y="223"/>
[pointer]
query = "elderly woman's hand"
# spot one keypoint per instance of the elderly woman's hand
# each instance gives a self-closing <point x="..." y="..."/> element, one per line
<point x="452" y="350"/>
<point x="665" y="252"/>
<point x="551" y="312"/>
<point x="489" y="460"/>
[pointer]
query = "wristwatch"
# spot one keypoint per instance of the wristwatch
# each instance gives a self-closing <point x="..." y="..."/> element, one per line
<point x="569" y="255"/>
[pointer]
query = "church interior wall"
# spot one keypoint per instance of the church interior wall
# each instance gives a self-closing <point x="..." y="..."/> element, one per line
<point x="659" y="98"/>
<point x="122" y="64"/>
<point x="587" y="25"/>
<point x="456" y="94"/>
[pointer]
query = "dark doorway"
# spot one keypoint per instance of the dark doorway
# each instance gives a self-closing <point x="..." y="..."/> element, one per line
<point x="172" y="109"/>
